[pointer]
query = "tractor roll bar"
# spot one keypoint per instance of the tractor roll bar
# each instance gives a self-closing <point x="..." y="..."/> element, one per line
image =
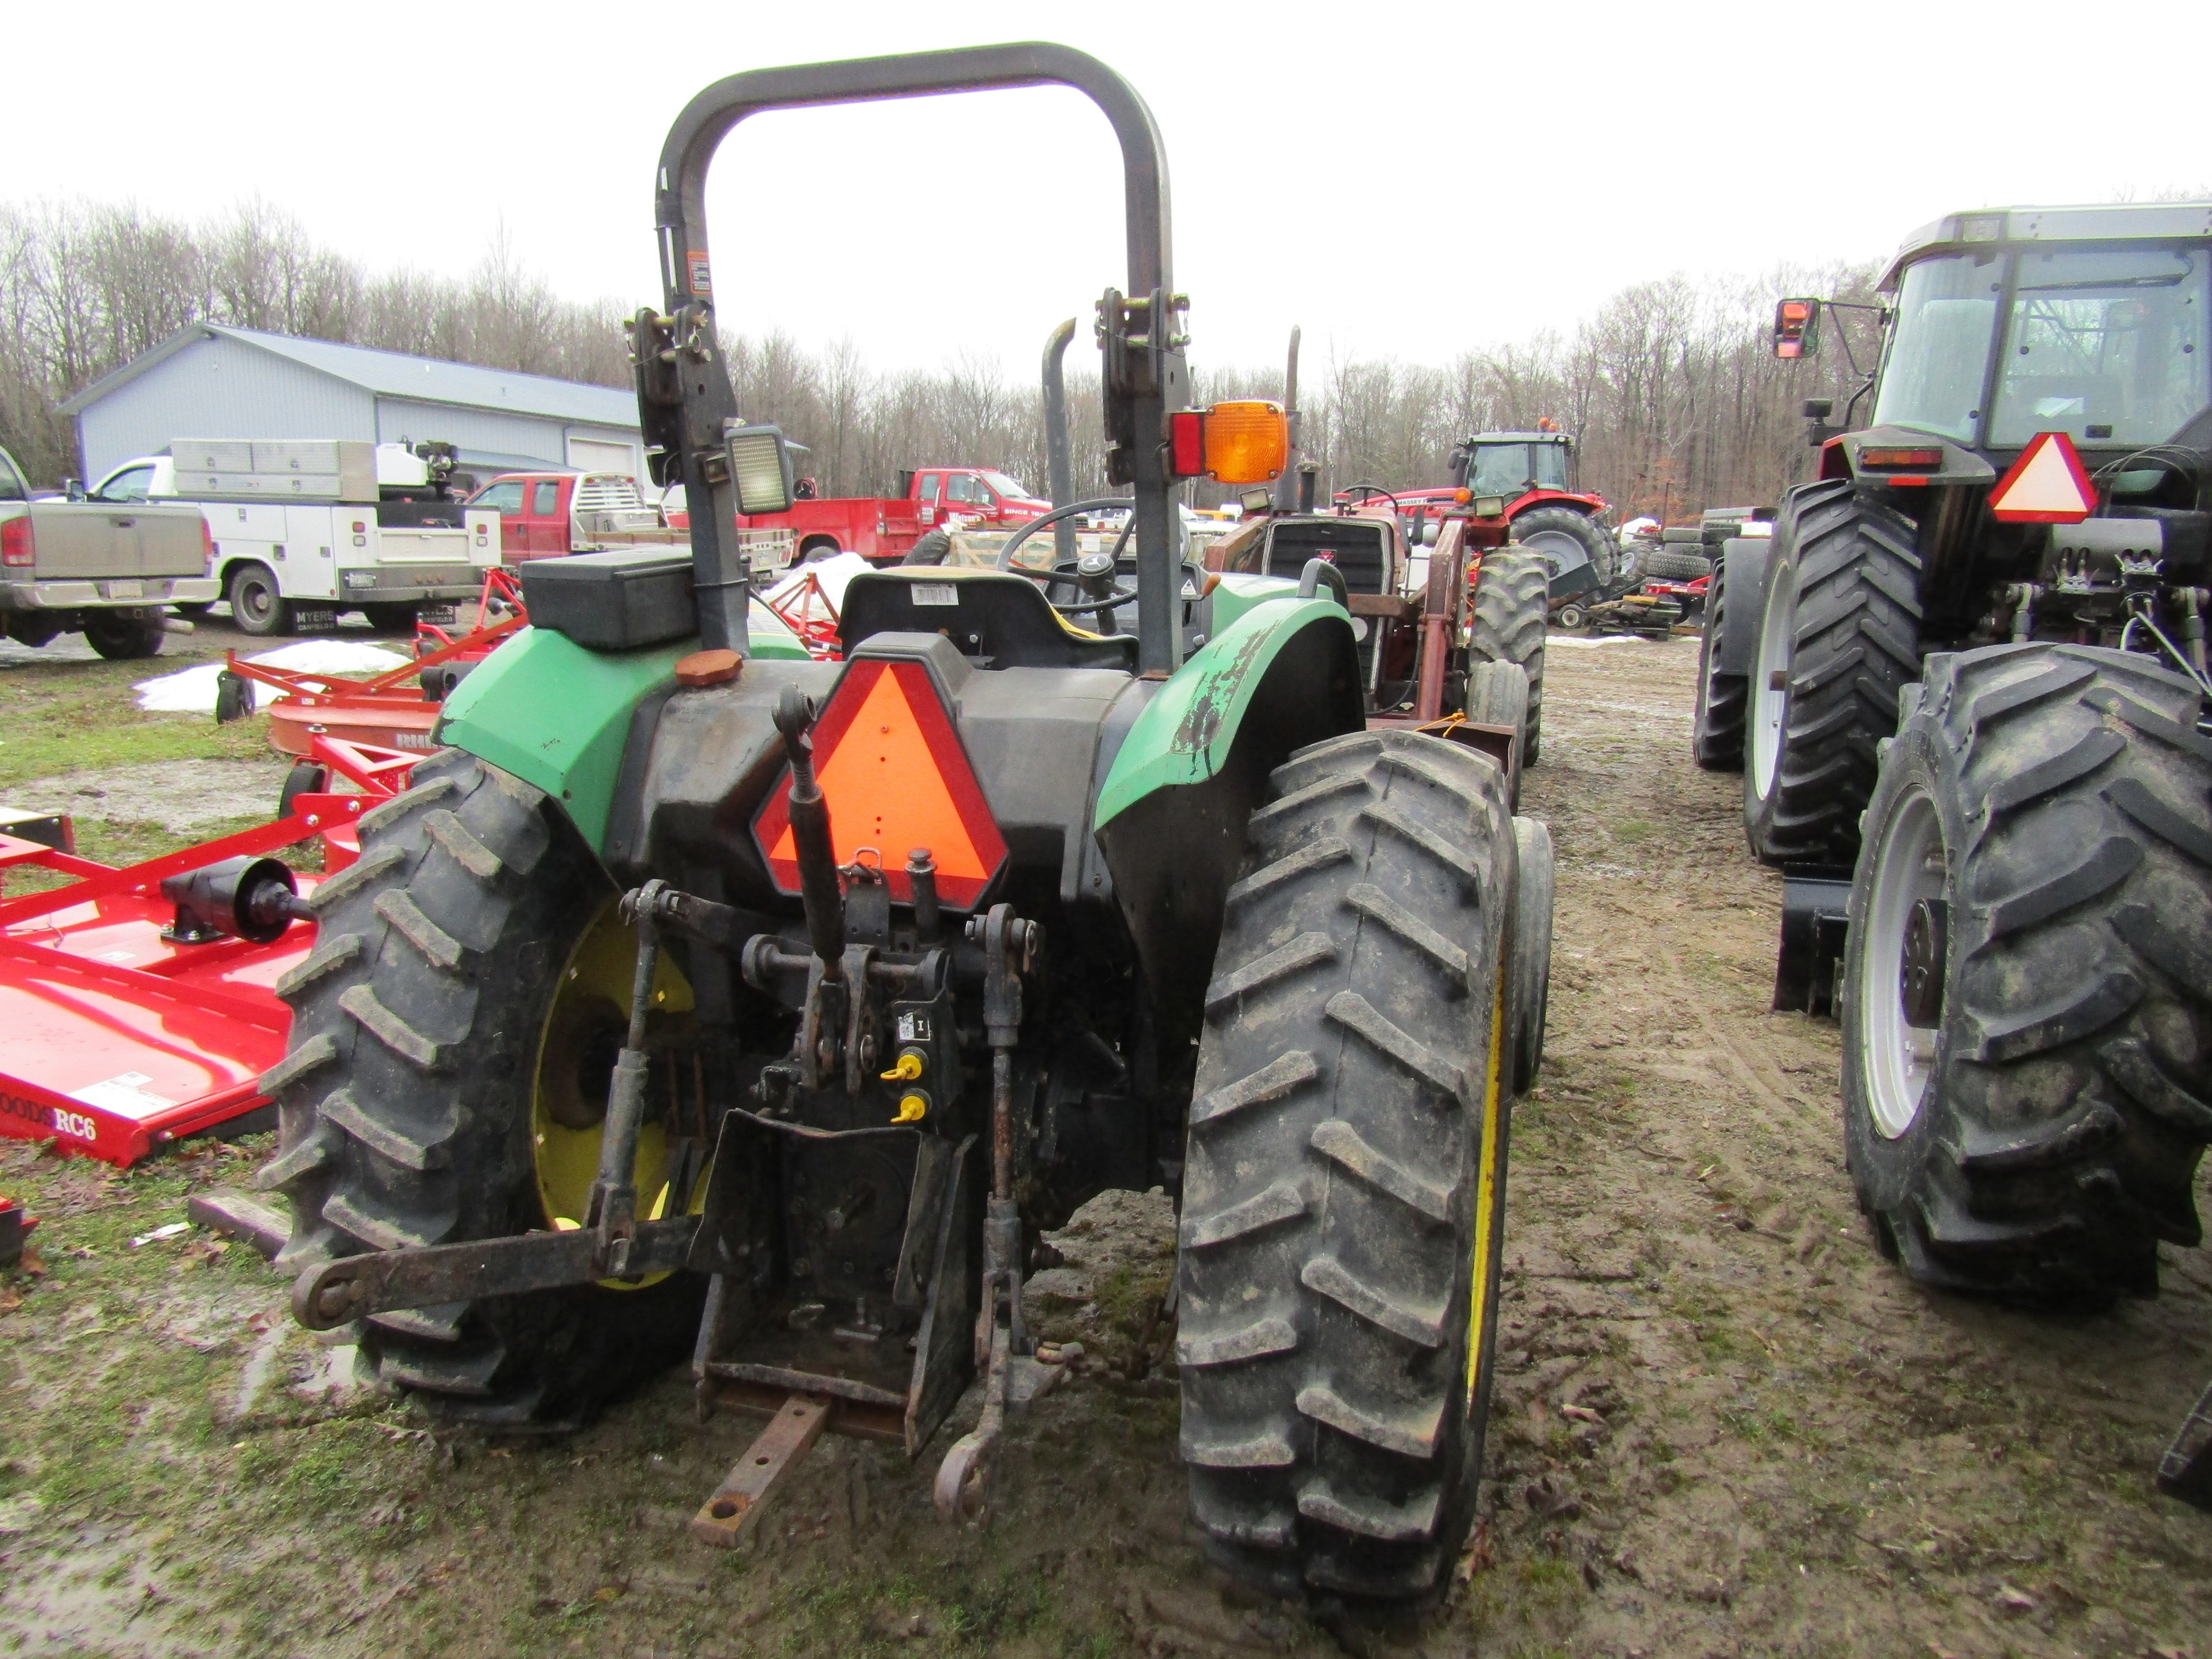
<point x="708" y="400"/>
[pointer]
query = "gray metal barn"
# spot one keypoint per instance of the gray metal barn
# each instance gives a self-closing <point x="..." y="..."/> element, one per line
<point x="210" y="381"/>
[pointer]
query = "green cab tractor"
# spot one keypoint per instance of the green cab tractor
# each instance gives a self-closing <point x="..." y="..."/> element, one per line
<point x="702" y="997"/>
<point x="1965" y="681"/>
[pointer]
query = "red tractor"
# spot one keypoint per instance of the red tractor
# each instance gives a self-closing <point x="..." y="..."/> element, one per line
<point x="1521" y="484"/>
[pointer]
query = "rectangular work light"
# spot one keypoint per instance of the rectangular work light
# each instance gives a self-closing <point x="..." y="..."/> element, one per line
<point x="760" y="467"/>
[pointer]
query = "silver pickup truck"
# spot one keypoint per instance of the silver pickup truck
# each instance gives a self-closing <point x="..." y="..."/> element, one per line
<point x="100" y="569"/>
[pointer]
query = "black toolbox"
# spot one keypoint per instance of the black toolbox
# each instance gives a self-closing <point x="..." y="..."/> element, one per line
<point x="613" y="601"/>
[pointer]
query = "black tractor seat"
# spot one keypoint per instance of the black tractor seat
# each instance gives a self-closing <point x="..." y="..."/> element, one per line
<point x="994" y="617"/>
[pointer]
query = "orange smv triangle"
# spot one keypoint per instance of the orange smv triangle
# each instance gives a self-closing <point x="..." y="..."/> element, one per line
<point x="896" y="779"/>
<point x="2046" y="485"/>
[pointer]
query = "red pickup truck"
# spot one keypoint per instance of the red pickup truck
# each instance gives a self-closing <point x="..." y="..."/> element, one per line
<point x="544" y="515"/>
<point x="883" y="528"/>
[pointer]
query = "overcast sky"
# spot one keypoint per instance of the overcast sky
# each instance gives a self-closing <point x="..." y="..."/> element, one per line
<point x="1402" y="179"/>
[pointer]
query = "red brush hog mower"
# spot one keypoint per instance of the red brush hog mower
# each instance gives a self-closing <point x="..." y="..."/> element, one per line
<point x="141" y="1003"/>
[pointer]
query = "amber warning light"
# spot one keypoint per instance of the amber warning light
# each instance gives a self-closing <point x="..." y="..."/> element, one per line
<point x="896" y="778"/>
<point x="1237" y="443"/>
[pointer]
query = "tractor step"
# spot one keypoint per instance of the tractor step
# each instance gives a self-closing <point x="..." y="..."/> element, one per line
<point x="1816" y="907"/>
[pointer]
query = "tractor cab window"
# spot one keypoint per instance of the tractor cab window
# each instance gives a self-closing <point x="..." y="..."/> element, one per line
<point x="1947" y="309"/>
<point x="2107" y="345"/>
<point x="1551" y="468"/>
<point x="1500" y="469"/>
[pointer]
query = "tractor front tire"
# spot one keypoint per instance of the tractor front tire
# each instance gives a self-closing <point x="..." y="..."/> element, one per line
<point x="1344" y="1181"/>
<point x="1497" y="695"/>
<point x="2027" y="1123"/>
<point x="1838" y="623"/>
<point x="1512" y="602"/>
<point x="1532" y="950"/>
<point x="1717" y="725"/>
<point x="405" y="1098"/>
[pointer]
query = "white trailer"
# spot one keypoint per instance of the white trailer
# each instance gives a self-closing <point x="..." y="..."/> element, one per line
<point x="303" y="530"/>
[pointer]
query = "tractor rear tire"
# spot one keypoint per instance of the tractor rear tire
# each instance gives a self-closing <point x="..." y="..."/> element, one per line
<point x="1532" y="950"/>
<point x="1671" y="564"/>
<point x="1497" y="695"/>
<point x="1512" y="601"/>
<point x="1343" y="1187"/>
<point x="1838" y="638"/>
<point x="1562" y="526"/>
<point x="2040" y="1135"/>
<point x="1716" y="724"/>
<point x="405" y="1098"/>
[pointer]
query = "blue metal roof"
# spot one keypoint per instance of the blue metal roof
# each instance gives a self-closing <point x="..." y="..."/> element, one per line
<point x="396" y="374"/>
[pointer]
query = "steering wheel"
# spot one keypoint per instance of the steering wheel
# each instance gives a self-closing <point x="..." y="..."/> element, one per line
<point x="1090" y="577"/>
<point x="1368" y="492"/>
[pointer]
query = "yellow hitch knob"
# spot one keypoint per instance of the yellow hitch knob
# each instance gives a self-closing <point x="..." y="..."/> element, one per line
<point x="912" y="1108"/>
<point x="909" y="1068"/>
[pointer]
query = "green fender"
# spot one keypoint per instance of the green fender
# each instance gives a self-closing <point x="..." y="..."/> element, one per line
<point x="1186" y="733"/>
<point x="558" y="715"/>
<point x="1279" y="672"/>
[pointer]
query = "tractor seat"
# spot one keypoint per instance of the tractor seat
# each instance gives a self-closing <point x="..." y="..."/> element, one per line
<point x="994" y="617"/>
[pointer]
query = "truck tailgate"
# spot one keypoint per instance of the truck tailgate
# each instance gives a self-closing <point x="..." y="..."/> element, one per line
<point x="83" y="540"/>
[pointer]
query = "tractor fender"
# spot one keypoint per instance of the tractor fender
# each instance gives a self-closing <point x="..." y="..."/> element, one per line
<point x="1744" y="564"/>
<point x="558" y="715"/>
<point x="1171" y="815"/>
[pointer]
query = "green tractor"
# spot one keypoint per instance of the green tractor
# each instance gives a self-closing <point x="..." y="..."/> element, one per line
<point x="1970" y="657"/>
<point x="702" y="997"/>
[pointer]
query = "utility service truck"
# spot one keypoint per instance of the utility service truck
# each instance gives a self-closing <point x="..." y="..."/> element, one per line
<point x="302" y="530"/>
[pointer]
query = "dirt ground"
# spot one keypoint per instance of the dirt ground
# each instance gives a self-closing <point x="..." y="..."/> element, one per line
<point x="1724" y="1426"/>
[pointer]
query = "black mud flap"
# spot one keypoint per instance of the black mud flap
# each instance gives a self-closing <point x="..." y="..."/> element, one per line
<point x="1809" y="968"/>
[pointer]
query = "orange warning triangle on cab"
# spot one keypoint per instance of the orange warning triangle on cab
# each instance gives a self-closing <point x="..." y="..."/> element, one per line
<point x="2046" y="485"/>
<point x="896" y="779"/>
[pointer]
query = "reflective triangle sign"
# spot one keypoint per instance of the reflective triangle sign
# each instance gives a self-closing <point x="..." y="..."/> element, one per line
<point x="2046" y="485"/>
<point x="896" y="779"/>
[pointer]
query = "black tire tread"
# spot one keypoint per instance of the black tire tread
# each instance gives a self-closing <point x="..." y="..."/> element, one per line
<point x="1512" y="602"/>
<point x="1856" y="645"/>
<point x="1329" y="1190"/>
<point x="1716" y="732"/>
<point x="404" y="1100"/>
<point x="2068" y="1140"/>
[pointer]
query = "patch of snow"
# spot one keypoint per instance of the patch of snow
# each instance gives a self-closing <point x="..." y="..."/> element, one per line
<point x="192" y="690"/>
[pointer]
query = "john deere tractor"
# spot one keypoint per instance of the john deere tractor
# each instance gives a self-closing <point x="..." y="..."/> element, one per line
<point x="704" y="997"/>
<point x="1972" y="659"/>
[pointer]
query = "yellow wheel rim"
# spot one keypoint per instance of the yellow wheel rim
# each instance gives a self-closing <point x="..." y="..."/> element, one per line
<point x="584" y="1029"/>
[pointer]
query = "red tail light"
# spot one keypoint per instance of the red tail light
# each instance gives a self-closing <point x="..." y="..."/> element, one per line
<point x="16" y="546"/>
<point x="1925" y="459"/>
<point x="207" y="543"/>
